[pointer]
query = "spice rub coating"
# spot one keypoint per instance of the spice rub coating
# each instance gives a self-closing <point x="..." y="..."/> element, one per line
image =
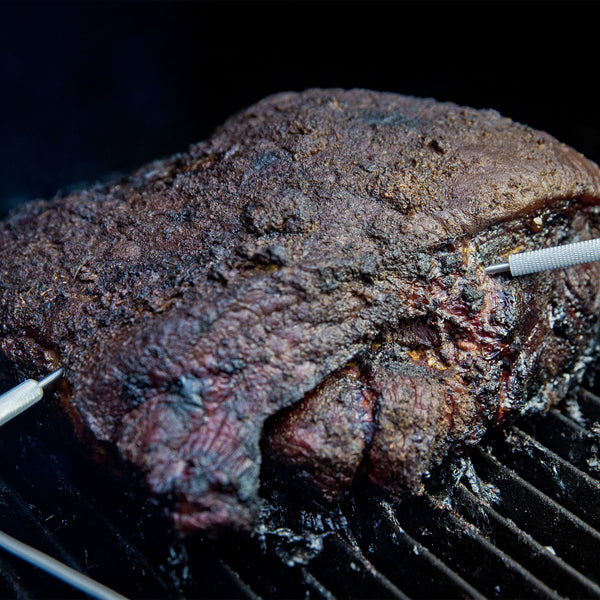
<point x="321" y="254"/>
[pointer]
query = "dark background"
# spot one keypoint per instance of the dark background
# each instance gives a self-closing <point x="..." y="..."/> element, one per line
<point x="92" y="89"/>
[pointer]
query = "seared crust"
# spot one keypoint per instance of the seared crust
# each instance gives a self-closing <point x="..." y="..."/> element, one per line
<point x="194" y="299"/>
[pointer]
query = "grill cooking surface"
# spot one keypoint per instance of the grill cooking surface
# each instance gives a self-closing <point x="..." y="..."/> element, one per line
<point x="523" y="521"/>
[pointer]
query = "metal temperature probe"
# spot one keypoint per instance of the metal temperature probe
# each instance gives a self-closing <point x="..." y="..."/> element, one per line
<point x="558" y="257"/>
<point x="13" y="403"/>
<point x="23" y="396"/>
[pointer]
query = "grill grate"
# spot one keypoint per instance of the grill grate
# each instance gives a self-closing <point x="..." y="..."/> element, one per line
<point x="522" y="522"/>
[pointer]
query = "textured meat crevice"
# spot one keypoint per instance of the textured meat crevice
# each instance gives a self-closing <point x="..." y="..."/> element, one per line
<point x="325" y="437"/>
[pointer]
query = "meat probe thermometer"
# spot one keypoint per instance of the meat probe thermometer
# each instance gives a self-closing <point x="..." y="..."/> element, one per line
<point x="23" y="396"/>
<point x="13" y="403"/>
<point x="545" y="259"/>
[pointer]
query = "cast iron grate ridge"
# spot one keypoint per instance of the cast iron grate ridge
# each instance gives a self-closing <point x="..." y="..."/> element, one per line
<point x="417" y="570"/>
<point x="539" y="560"/>
<point x="572" y="488"/>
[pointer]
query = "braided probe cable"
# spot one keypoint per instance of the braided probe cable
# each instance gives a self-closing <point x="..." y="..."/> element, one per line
<point x="558" y="257"/>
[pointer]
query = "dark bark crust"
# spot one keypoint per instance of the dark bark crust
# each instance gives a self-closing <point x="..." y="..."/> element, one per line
<point x="322" y="255"/>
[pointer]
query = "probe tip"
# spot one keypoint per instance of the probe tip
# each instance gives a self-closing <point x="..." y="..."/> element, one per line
<point x="499" y="268"/>
<point x="51" y="378"/>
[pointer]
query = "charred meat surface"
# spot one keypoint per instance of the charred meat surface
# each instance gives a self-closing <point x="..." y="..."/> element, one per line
<point x="312" y="274"/>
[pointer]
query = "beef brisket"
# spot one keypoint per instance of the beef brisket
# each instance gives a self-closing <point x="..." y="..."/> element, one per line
<point x="313" y="270"/>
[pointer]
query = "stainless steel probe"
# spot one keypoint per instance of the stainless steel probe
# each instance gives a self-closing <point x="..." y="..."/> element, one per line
<point x="23" y="396"/>
<point x="59" y="570"/>
<point x="557" y="257"/>
<point x="13" y="403"/>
